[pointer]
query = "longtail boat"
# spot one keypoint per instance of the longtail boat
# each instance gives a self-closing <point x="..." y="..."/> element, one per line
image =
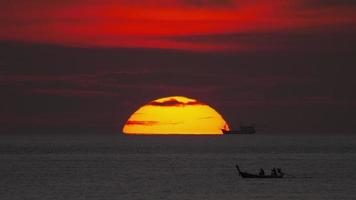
<point x="249" y="175"/>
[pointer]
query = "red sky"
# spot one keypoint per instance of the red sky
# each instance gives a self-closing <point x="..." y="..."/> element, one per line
<point x="170" y="23"/>
<point x="285" y="65"/>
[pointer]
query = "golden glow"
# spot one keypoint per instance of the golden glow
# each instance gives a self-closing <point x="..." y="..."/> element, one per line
<point x="175" y="115"/>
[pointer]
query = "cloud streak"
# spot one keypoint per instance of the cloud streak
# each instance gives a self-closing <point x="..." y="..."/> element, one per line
<point x="174" y="103"/>
<point x="155" y="24"/>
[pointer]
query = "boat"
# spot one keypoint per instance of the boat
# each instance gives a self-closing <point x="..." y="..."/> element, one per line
<point x="249" y="175"/>
<point x="242" y="130"/>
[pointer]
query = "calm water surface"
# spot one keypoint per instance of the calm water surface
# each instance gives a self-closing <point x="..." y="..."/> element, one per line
<point x="176" y="167"/>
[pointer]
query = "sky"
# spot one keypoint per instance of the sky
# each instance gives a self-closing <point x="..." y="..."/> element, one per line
<point x="287" y="66"/>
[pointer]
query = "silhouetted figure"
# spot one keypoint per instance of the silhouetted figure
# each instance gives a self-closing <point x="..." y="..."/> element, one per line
<point x="273" y="172"/>
<point x="279" y="171"/>
<point x="262" y="172"/>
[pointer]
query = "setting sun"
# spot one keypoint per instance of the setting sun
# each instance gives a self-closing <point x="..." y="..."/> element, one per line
<point x="175" y="115"/>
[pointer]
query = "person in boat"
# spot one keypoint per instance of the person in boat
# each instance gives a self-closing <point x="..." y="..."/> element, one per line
<point x="273" y="172"/>
<point x="262" y="172"/>
<point x="279" y="171"/>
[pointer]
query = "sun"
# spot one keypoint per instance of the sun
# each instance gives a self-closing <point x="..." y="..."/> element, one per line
<point x="175" y="115"/>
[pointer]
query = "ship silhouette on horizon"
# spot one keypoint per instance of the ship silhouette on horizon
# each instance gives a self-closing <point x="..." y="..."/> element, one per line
<point x="242" y="130"/>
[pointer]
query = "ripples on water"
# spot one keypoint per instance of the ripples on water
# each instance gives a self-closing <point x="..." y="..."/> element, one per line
<point x="175" y="167"/>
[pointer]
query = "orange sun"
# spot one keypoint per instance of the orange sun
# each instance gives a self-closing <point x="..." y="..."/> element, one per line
<point x="175" y="115"/>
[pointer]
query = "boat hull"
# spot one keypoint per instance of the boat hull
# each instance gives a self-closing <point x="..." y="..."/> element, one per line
<point x="242" y="130"/>
<point x="248" y="175"/>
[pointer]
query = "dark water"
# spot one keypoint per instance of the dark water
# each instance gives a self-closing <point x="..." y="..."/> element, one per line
<point x="178" y="167"/>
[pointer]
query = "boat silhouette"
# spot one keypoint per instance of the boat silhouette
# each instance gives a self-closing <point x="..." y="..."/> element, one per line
<point x="249" y="175"/>
<point x="241" y="130"/>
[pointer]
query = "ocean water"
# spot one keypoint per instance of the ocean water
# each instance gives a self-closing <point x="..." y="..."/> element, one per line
<point x="175" y="167"/>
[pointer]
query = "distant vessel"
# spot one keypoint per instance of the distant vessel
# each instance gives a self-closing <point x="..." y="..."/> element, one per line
<point x="249" y="175"/>
<point x="241" y="130"/>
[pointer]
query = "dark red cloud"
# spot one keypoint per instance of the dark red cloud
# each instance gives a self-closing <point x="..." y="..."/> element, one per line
<point x="53" y="86"/>
<point x="151" y="24"/>
<point x="141" y="123"/>
<point x="146" y="123"/>
<point x="174" y="102"/>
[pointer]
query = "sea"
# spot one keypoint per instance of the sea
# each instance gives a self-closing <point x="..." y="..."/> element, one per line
<point x="103" y="166"/>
